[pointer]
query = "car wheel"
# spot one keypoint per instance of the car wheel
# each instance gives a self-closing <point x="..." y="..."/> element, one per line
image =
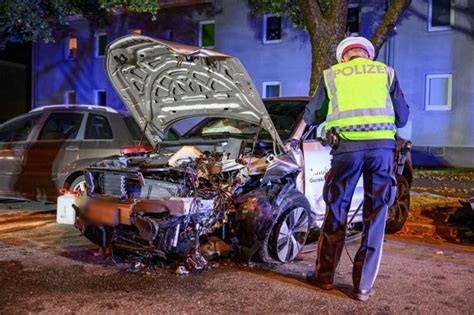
<point x="79" y="184"/>
<point x="398" y="213"/>
<point x="288" y="236"/>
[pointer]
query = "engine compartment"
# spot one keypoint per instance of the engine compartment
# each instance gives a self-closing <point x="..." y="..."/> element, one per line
<point x="167" y="204"/>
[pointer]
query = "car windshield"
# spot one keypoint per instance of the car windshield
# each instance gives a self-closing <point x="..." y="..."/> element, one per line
<point x="284" y="114"/>
<point x="18" y="129"/>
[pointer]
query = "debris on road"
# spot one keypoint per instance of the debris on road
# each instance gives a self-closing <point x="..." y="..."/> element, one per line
<point x="181" y="270"/>
<point x="463" y="221"/>
<point x="428" y="217"/>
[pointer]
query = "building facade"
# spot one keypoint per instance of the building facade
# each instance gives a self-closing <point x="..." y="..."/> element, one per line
<point x="431" y="50"/>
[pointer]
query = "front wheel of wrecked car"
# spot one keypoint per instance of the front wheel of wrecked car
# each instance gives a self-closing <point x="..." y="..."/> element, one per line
<point x="398" y="213"/>
<point x="78" y="184"/>
<point x="288" y="236"/>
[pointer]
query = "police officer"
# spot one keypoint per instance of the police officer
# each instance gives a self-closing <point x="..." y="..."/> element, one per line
<point x="362" y="104"/>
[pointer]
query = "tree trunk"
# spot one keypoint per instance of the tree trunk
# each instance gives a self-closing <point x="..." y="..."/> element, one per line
<point x="325" y="32"/>
<point x="392" y="16"/>
<point x="322" y="57"/>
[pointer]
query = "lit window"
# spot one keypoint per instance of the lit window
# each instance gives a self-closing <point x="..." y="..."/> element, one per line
<point x="100" y="44"/>
<point x="439" y="15"/>
<point x="70" y="97"/>
<point x="438" y="91"/>
<point x="100" y="97"/>
<point x="136" y="31"/>
<point x="271" y="29"/>
<point x="352" y="25"/>
<point x="71" y="47"/>
<point x="271" y="89"/>
<point x="207" y="32"/>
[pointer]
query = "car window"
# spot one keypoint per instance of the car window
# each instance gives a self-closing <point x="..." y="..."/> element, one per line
<point x="135" y="131"/>
<point x="60" y="126"/>
<point x="284" y="114"/>
<point x="221" y="127"/>
<point x="98" y="127"/>
<point x="18" y="129"/>
<point x="133" y="128"/>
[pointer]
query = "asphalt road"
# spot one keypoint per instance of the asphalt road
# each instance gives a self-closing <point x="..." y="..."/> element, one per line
<point x="45" y="267"/>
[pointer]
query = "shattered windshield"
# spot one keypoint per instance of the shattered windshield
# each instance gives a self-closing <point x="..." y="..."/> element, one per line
<point x="284" y="114"/>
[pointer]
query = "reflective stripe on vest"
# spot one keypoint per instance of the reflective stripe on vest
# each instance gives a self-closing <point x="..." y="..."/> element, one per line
<point x="367" y="127"/>
<point x="362" y="107"/>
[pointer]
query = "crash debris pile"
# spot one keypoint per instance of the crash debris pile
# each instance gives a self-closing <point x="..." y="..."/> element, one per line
<point x="463" y="221"/>
<point x="434" y="217"/>
<point x="185" y="207"/>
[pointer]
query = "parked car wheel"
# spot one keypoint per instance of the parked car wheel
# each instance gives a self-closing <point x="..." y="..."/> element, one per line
<point x="398" y="212"/>
<point x="289" y="234"/>
<point x="79" y="184"/>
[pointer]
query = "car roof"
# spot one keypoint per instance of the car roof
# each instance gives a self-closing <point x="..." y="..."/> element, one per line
<point x="72" y="107"/>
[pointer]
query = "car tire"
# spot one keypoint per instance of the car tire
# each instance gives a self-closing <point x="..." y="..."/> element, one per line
<point x="286" y="239"/>
<point x="77" y="183"/>
<point x="398" y="213"/>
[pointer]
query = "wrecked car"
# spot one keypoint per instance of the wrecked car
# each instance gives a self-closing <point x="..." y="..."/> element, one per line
<point x="249" y="173"/>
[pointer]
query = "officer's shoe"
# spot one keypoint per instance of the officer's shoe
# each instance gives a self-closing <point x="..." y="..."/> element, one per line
<point x="311" y="278"/>
<point x="363" y="295"/>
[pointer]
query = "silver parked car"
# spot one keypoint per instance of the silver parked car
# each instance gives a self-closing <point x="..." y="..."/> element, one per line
<point x="250" y="172"/>
<point x="48" y="148"/>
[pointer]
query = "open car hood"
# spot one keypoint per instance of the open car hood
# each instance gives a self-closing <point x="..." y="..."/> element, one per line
<point x="162" y="82"/>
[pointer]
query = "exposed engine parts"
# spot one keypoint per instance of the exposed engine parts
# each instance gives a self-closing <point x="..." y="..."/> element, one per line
<point x="183" y="207"/>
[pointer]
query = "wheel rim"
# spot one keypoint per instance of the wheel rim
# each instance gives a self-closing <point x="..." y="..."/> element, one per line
<point x="292" y="234"/>
<point x="398" y="212"/>
<point x="81" y="186"/>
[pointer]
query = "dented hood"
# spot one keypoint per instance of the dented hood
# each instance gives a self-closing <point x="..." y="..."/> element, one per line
<point x="162" y="82"/>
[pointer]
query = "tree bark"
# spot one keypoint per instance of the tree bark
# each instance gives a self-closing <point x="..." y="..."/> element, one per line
<point x="324" y="34"/>
<point x="391" y="18"/>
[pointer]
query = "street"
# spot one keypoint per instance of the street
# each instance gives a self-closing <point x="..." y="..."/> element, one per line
<point x="46" y="267"/>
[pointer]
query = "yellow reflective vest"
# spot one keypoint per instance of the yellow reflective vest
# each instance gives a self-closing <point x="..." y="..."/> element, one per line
<point x="360" y="106"/>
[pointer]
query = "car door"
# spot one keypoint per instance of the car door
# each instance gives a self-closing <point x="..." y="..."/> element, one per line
<point x="57" y="145"/>
<point x="317" y="162"/>
<point x="14" y="136"/>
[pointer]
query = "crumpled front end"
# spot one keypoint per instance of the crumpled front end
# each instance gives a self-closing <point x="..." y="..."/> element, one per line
<point x="170" y="205"/>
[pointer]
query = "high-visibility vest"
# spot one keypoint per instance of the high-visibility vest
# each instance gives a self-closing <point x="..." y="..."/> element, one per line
<point x="360" y="106"/>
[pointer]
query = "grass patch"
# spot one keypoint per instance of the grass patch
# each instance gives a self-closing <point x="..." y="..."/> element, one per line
<point x="462" y="174"/>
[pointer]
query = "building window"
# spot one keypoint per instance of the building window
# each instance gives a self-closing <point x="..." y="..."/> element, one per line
<point x="271" y="29"/>
<point x="136" y="31"/>
<point x="438" y="91"/>
<point x="271" y="89"/>
<point x="352" y="25"/>
<point x="100" y="97"/>
<point x="169" y="35"/>
<point x="70" y="97"/>
<point x="71" y="47"/>
<point x="100" y="44"/>
<point x="439" y="15"/>
<point x="207" y="34"/>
